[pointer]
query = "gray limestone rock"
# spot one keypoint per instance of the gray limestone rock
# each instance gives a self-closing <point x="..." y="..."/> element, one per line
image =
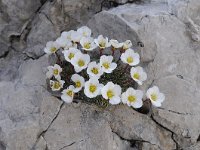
<point x="164" y="32"/>
<point x="169" y="57"/>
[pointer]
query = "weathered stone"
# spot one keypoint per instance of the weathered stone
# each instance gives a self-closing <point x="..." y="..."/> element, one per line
<point x="30" y="118"/>
<point x="169" y="57"/>
<point x="193" y="147"/>
<point x="25" y="105"/>
<point x="55" y="17"/>
<point x="4" y="48"/>
<point x="78" y="128"/>
<point x="188" y="12"/>
<point x="9" y="66"/>
<point x="41" y="144"/>
<point x="14" y="15"/>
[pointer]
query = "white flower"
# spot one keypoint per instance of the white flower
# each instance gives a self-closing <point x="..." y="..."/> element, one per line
<point x="127" y="44"/>
<point x="92" y="88"/>
<point x="130" y="57"/>
<point x="132" y="98"/>
<point x="138" y="74"/>
<point x="87" y="43"/>
<point x="155" y="96"/>
<point x="69" y="54"/>
<point x="115" y="43"/>
<point x="67" y="35"/>
<point x="102" y="42"/>
<point x="68" y="94"/>
<point x="76" y="36"/>
<point x="80" y="61"/>
<point x="56" y="85"/>
<point x="106" y="63"/>
<point x="94" y="70"/>
<point x="63" y="43"/>
<point x="79" y="82"/>
<point x="54" y="71"/>
<point x="51" y="47"/>
<point x="85" y="31"/>
<point x="112" y="92"/>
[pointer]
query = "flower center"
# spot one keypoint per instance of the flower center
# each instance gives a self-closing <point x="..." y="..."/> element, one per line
<point x="95" y="70"/>
<point x="106" y="65"/>
<point x="55" y="72"/>
<point x="81" y="63"/>
<point x="70" y="93"/>
<point x="110" y="94"/>
<point x="136" y="76"/>
<point x="84" y="33"/>
<point x="102" y="44"/>
<point x="87" y="45"/>
<point x="53" y="49"/>
<point x="130" y="60"/>
<point x="78" y="84"/>
<point x="154" y="97"/>
<point x="125" y="47"/>
<point x="71" y="55"/>
<point x="56" y="85"/>
<point x="93" y="88"/>
<point x="131" y="98"/>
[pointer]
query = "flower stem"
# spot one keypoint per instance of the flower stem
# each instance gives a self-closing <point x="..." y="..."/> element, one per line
<point x="85" y="52"/>
<point x="72" y="69"/>
<point x="101" y="51"/>
<point x="58" y="59"/>
<point x="126" y="68"/>
<point x="122" y="50"/>
<point x="113" y="50"/>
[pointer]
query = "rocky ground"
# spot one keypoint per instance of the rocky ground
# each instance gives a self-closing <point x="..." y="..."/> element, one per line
<point x="167" y="33"/>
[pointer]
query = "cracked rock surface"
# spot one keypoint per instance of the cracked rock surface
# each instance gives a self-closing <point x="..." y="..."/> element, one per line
<point x="166" y="33"/>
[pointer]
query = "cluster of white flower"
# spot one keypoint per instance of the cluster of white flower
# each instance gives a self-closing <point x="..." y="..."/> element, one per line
<point x="76" y="47"/>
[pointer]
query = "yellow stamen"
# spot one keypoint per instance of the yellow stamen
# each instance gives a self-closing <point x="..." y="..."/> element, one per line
<point x="136" y="76"/>
<point x="53" y="49"/>
<point x="131" y="98"/>
<point x="56" y="85"/>
<point x="125" y="47"/>
<point x="102" y="44"/>
<point x="95" y="70"/>
<point x="71" y="55"/>
<point x="130" y="60"/>
<point x="110" y="94"/>
<point x="87" y="45"/>
<point x="78" y="84"/>
<point x="70" y="93"/>
<point x="92" y="88"/>
<point x="154" y="96"/>
<point x="55" y="72"/>
<point x="106" y="65"/>
<point x="84" y="33"/>
<point x="81" y="63"/>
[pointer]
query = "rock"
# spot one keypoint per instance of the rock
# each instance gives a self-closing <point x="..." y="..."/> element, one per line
<point x="169" y="57"/>
<point x="25" y="108"/>
<point x="55" y="17"/>
<point x="41" y="144"/>
<point x="89" y="128"/>
<point x="194" y="147"/>
<point x="164" y="32"/>
<point x="13" y="17"/>
<point x="139" y="127"/>
<point x="188" y="12"/>
<point x="19" y="10"/>
<point x="78" y="130"/>
<point x="185" y="120"/>
<point x="4" y="48"/>
<point x="9" y="66"/>
<point x="185" y="9"/>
